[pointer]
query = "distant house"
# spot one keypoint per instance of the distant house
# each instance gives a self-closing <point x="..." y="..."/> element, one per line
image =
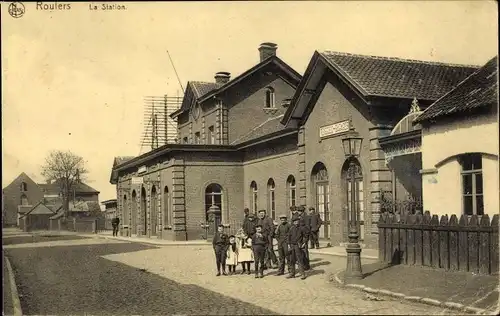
<point x="110" y="211"/>
<point x="23" y="191"/>
<point x="37" y="218"/>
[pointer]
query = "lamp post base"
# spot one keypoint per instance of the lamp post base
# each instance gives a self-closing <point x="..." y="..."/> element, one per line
<point x="353" y="270"/>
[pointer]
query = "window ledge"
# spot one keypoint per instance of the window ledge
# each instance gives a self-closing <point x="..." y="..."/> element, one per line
<point x="428" y="171"/>
<point x="273" y="110"/>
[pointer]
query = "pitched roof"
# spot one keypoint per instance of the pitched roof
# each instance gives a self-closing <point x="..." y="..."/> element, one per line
<point x="395" y="77"/>
<point x="201" y="88"/>
<point x="122" y="159"/>
<point x="53" y="188"/>
<point x="204" y="90"/>
<point x="479" y="90"/>
<point x="39" y="209"/>
<point x="270" y="126"/>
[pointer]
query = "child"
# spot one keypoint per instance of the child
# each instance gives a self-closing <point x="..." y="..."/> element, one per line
<point x="259" y="243"/>
<point x="232" y="255"/>
<point x="245" y="254"/>
<point x="220" y="244"/>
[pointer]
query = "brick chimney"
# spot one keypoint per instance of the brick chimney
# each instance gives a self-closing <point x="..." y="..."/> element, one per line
<point x="267" y="50"/>
<point x="222" y="77"/>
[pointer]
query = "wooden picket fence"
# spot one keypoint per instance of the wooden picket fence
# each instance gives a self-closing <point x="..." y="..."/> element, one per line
<point x="466" y="244"/>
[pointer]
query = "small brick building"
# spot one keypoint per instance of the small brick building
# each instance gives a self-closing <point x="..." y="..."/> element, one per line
<point x="269" y="139"/>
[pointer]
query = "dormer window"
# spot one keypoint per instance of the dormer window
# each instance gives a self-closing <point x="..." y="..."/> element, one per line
<point x="270" y="101"/>
<point x="24" y="187"/>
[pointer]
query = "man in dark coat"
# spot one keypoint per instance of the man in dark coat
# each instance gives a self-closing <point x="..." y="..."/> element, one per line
<point x="296" y="242"/>
<point x="282" y="237"/>
<point x="305" y="225"/>
<point x="268" y="229"/>
<point x="249" y="223"/>
<point x="259" y="245"/>
<point x="220" y="244"/>
<point x="115" y="223"/>
<point x="315" y="222"/>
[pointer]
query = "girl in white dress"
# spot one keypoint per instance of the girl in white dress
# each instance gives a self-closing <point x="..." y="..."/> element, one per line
<point x="232" y="255"/>
<point x="245" y="253"/>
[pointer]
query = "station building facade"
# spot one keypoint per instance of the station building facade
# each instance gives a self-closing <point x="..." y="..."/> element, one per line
<point x="270" y="139"/>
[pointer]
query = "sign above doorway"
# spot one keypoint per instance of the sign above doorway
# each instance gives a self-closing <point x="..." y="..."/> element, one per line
<point x="334" y="129"/>
<point x="137" y="180"/>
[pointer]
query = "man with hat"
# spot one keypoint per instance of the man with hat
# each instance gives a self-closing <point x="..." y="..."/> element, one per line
<point x="296" y="242"/>
<point x="282" y="237"/>
<point x="305" y="225"/>
<point x="259" y="244"/>
<point x="248" y="223"/>
<point x="268" y="229"/>
<point x="315" y="222"/>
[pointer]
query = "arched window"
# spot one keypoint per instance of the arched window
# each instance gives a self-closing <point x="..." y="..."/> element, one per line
<point x="270" y="102"/>
<point x="24" y="187"/>
<point x="144" y="212"/>
<point x="24" y="200"/>
<point x="125" y="214"/>
<point x="166" y="207"/>
<point x="472" y="184"/>
<point x="213" y="196"/>
<point x="153" y="204"/>
<point x="291" y="190"/>
<point x="357" y="181"/>
<point x="271" y="198"/>
<point x="133" y="219"/>
<point x="254" y="197"/>
<point x="319" y="177"/>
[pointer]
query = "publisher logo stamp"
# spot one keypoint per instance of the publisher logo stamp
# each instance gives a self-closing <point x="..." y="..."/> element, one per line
<point x="16" y="9"/>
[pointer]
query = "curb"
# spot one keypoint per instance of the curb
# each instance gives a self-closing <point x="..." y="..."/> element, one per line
<point x="149" y="241"/>
<point x="13" y="289"/>
<point x="340" y="254"/>
<point x="424" y="300"/>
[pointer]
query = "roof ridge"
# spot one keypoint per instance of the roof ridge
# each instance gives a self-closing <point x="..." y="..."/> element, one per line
<point x="427" y="62"/>
<point x="256" y="127"/>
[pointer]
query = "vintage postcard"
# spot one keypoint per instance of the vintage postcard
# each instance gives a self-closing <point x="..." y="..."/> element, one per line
<point x="250" y="157"/>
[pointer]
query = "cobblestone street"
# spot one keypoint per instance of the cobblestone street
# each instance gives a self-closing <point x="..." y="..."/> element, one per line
<point x="58" y="275"/>
<point x="194" y="265"/>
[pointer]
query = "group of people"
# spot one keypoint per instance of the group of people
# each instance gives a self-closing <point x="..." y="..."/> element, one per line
<point x="254" y="243"/>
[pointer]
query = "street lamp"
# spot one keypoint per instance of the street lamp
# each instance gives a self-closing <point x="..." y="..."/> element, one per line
<point x="352" y="149"/>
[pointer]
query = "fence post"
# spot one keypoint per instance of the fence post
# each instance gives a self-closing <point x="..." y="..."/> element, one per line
<point x="473" y="237"/>
<point x="74" y="224"/>
<point x="402" y="240"/>
<point x="494" y="245"/>
<point x="453" y="238"/>
<point x="411" y="233"/>
<point x="463" y="249"/>
<point x="444" y="248"/>
<point x="94" y="226"/>
<point x="426" y="240"/>
<point x="435" y="242"/>
<point x="396" y="255"/>
<point x="388" y="239"/>
<point x="381" y="237"/>
<point x="484" y="245"/>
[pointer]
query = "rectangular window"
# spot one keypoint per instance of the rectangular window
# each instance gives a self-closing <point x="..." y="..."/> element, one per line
<point x="185" y="140"/>
<point x="472" y="184"/>
<point x="211" y="135"/>
<point x="197" y="138"/>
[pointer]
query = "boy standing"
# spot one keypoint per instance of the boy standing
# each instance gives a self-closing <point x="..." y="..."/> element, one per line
<point x="220" y="244"/>
<point x="282" y="237"/>
<point x="259" y="245"/>
<point x="296" y="241"/>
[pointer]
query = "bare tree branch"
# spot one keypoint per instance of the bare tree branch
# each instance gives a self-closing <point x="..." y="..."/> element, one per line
<point x="65" y="169"/>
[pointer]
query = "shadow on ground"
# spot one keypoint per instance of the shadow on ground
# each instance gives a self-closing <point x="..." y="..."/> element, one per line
<point x="75" y="280"/>
<point x="35" y="238"/>
<point x="459" y="287"/>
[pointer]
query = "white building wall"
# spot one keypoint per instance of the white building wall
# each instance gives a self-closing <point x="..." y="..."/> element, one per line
<point x="441" y="180"/>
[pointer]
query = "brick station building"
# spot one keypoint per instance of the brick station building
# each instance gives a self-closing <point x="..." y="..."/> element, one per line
<point x="269" y="139"/>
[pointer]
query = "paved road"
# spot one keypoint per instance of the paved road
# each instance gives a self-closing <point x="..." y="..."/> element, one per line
<point x="103" y="277"/>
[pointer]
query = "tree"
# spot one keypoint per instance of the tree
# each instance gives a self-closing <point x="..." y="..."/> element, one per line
<point x="66" y="169"/>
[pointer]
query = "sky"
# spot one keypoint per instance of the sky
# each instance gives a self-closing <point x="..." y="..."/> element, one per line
<point x="76" y="79"/>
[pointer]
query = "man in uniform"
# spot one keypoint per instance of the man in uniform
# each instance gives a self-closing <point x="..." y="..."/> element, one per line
<point x="268" y="229"/>
<point x="220" y="244"/>
<point x="296" y="242"/>
<point x="315" y="224"/>
<point x="115" y="222"/>
<point x="304" y="224"/>
<point x="282" y="237"/>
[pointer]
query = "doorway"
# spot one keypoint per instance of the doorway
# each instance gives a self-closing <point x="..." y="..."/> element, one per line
<point x="319" y="176"/>
<point x="133" y="217"/>
<point x="144" y="212"/>
<point x="154" y="211"/>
